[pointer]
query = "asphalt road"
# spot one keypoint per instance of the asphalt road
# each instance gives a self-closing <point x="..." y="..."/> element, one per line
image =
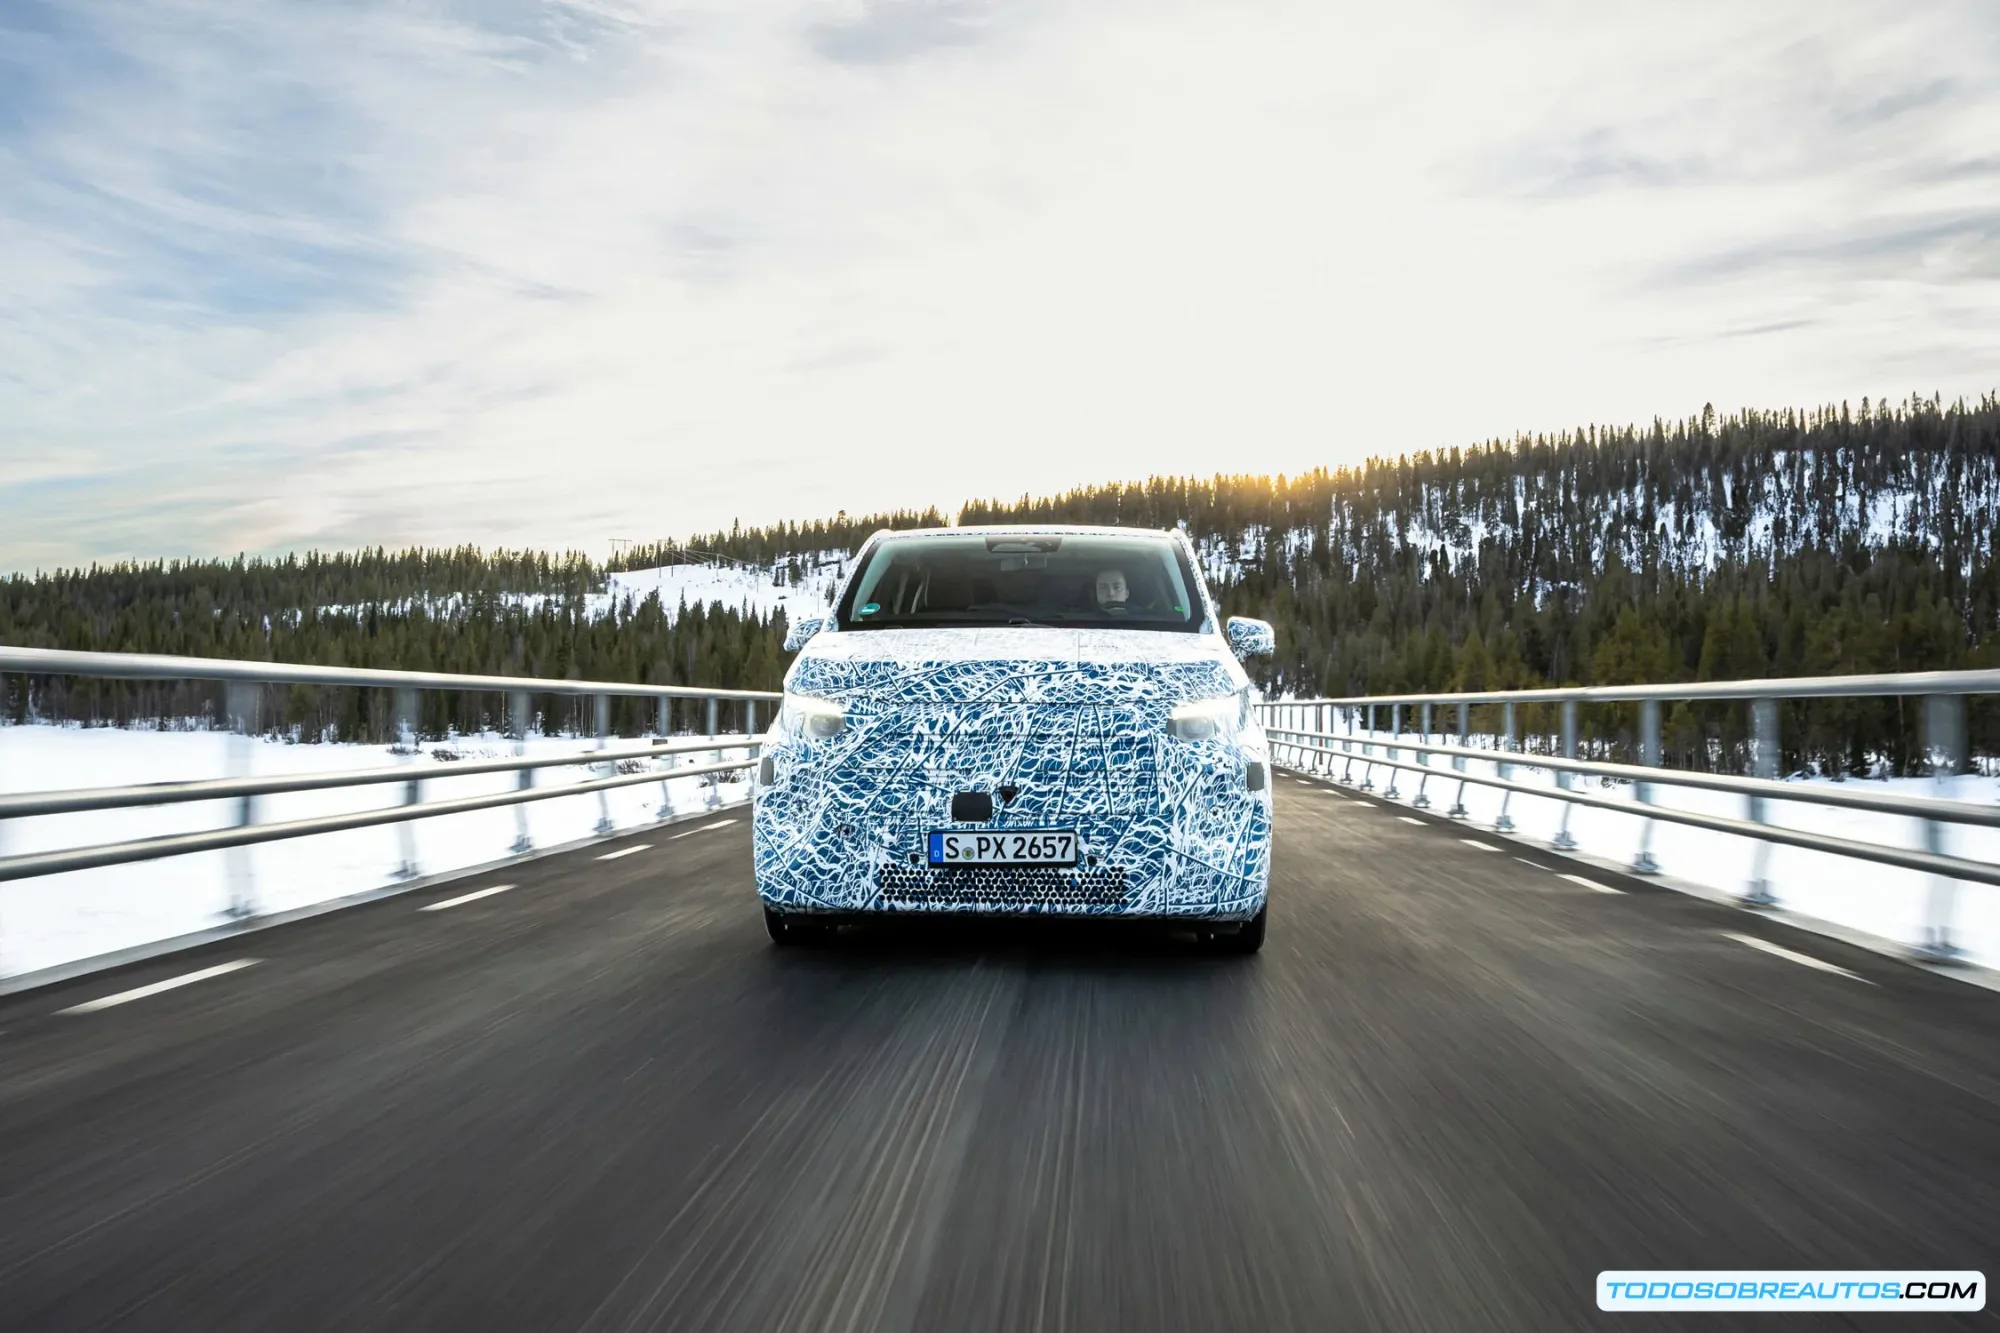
<point x="1452" y="1089"/>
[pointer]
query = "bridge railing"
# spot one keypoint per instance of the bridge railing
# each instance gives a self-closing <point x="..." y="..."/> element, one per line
<point x="244" y="679"/>
<point x="1395" y="736"/>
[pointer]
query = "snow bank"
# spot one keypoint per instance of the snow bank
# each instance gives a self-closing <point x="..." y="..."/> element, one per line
<point x="1883" y="901"/>
<point x="59" y="919"/>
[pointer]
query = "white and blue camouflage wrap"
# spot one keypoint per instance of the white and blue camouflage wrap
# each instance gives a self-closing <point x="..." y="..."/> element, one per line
<point x="1072" y="721"/>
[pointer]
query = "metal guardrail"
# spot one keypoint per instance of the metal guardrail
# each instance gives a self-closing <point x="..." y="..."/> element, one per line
<point x="147" y="666"/>
<point x="1304" y="736"/>
<point x="150" y="849"/>
<point x="1781" y="687"/>
<point x="242" y="676"/>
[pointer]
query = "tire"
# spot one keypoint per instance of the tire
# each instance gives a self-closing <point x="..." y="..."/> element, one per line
<point x="786" y="930"/>
<point x="1248" y="940"/>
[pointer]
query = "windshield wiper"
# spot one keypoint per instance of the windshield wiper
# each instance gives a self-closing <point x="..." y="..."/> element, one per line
<point x="970" y="619"/>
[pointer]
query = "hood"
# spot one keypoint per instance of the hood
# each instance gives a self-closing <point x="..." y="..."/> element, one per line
<point x="1015" y="664"/>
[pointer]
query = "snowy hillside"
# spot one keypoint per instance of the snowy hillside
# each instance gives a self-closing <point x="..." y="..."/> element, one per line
<point x="733" y="587"/>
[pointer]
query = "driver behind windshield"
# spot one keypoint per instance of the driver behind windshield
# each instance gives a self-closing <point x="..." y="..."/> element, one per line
<point x="1112" y="592"/>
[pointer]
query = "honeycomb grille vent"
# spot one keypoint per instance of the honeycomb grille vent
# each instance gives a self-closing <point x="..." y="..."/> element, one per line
<point x="1012" y="886"/>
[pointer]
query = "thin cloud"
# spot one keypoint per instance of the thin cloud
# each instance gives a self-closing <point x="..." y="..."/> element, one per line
<point x="887" y="32"/>
<point x="1899" y="103"/>
<point x="1945" y="249"/>
<point x="1596" y="162"/>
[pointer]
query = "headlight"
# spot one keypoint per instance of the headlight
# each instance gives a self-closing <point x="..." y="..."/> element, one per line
<point x="1210" y="719"/>
<point x="812" y="717"/>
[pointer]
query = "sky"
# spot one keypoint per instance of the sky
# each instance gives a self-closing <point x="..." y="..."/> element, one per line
<point x="547" y="273"/>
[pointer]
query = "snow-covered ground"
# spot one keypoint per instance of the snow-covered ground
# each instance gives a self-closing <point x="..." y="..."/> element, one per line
<point x="732" y="587"/>
<point x="59" y="919"/>
<point x="1862" y="896"/>
<point x="760" y="592"/>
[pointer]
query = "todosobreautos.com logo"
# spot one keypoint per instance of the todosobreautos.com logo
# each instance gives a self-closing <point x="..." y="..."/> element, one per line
<point x="1890" y="1291"/>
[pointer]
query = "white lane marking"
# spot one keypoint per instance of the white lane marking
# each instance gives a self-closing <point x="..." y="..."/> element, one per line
<point x="703" y="829"/>
<point x="1482" y="846"/>
<point x="465" y="898"/>
<point x="625" y="851"/>
<point x="1526" y="862"/>
<point x="171" y="983"/>
<point x="1591" y="884"/>
<point x="1407" y="820"/>
<point x="1782" y="952"/>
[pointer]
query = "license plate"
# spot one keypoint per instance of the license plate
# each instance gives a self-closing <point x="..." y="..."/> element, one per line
<point x="1008" y="847"/>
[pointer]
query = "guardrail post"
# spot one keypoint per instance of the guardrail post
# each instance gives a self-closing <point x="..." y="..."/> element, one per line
<point x="1457" y="810"/>
<point x="1564" y="842"/>
<point x="603" y="712"/>
<point x="1763" y="764"/>
<point x="714" y="780"/>
<point x="1390" y="793"/>
<point x="753" y="750"/>
<point x="1348" y="715"/>
<point x="517" y="704"/>
<point x="1649" y="755"/>
<point x="1368" y="750"/>
<point x="406" y="736"/>
<point x="663" y="729"/>
<point x="1568" y="740"/>
<point x="1944" y="743"/>
<point x="1504" y="824"/>
<point x="242" y="699"/>
<point x="1423" y="800"/>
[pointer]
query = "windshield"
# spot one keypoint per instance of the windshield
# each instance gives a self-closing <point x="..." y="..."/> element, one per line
<point x="975" y="578"/>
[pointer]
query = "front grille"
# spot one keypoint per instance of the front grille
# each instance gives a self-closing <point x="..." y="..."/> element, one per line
<point x="1008" y="886"/>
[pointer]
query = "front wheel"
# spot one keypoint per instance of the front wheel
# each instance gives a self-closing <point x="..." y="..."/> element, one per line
<point x="1247" y="940"/>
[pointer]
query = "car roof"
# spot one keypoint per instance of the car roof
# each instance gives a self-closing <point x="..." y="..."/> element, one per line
<point x="1027" y="530"/>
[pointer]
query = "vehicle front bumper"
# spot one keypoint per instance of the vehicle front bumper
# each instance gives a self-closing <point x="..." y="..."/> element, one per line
<point x="1134" y="866"/>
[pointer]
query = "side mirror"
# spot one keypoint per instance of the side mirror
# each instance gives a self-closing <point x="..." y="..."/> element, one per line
<point x="801" y="630"/>
<point x="1251" y="638"/>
